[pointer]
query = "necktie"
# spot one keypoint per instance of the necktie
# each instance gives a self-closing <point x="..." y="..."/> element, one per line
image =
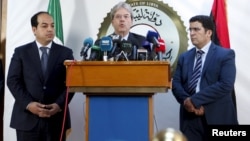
<point x="44" y="58"/>
<point x="196" y="73"/>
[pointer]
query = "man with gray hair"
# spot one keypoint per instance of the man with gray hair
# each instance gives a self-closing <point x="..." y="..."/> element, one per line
<point x="122" y="21"/>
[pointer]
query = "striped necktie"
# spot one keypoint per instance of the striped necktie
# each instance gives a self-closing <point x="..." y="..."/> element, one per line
<point x="196" y="72"/>
<point x="44" y="58"/>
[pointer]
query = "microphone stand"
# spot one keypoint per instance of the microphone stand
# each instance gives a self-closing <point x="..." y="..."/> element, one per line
<point x="105" y="56"/>
<point x="160" y="58"/>
<point x="84" y="56"/>
<point x="119" y="55"/>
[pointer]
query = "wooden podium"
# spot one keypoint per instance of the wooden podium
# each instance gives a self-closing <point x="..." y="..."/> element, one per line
<point x="119" y="102"/>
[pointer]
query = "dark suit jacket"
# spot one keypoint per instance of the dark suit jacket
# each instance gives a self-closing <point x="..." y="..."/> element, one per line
<point x="26" y="83"/>
<point x="217" y="83"/>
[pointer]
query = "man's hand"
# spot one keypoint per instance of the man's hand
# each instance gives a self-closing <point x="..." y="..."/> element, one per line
<point x="38" y="109"/>
<point x="200" y="111"/>
<point x="189" y="106"/>
<point x="53" y="108"/>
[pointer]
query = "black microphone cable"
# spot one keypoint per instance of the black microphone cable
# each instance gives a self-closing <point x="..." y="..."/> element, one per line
<point x="66" y="100"/>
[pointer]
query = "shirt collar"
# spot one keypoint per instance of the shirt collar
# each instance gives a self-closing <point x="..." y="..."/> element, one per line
<point x="40" y="45"/>
<point x="205" y="48"/>
<point x="125" y="37"/>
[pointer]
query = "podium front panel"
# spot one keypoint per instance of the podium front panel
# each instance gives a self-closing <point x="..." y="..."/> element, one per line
<point x="119" y="118"/>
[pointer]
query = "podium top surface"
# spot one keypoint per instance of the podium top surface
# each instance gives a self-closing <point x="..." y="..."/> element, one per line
<point x="118" y="75"/>
<point x="112" y="63"/>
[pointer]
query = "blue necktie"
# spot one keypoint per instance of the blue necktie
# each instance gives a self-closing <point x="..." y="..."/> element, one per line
<point x="196" y="72"/>
<point x="44" y="59"/>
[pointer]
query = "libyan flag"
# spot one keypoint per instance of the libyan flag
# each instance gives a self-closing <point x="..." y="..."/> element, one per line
<point x="221" y="35"/>
<point x="219" y="16"/>
<point x="54" y="9"/>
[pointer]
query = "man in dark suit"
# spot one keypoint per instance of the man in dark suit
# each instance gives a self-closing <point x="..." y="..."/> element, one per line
<point x="122" y="20"/>
<point x="40" y="97"/>
<point x="210" y="102"/>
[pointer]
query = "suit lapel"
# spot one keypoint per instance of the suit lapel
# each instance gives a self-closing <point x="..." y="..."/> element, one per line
<point x="34" y="55"/>
<point x="209" y="58"/>
<point x="53" y="54"/>
<point x="130" y="37"/>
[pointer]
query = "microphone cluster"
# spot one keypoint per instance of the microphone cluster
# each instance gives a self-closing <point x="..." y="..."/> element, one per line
<point x="87" y="43"/>
<point x="113" y="48"/>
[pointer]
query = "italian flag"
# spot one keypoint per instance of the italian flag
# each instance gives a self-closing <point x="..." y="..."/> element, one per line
<point x="54" y="9"/>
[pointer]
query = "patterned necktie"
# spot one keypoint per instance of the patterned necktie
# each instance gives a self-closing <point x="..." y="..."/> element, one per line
<point x="196" y="73"/>
<point x="44" y="58"/>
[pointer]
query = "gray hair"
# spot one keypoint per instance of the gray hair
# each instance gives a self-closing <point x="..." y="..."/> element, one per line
<point x="121" y="5"/>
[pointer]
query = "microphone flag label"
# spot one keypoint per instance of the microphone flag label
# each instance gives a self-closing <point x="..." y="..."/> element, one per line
<point x="106" y="44"/>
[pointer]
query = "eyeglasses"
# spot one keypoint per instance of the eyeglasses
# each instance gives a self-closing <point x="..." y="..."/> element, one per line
<point x="122" y="16"/>
<point x="195" y="29"/>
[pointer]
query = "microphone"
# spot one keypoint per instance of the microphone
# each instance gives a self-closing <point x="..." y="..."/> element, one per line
<point x="87" y="43"/>
<point x="160" y="49"/>
<point x="152" y="37"/>
<point x="116" y="39"/>
<point x="105" y="45"/>
<point x="126" y="46"/>
<point x="147" y="45"/>
<point x="125" y="50"/>
<point x="150" y="51"/>
<point x="95" y="53"/>
<point x="134" y="53"/>
<point x="142" y="54"/>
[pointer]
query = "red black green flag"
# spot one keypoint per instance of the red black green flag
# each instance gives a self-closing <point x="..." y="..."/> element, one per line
<point x="221" y="34"/>
<point x="219" y="16"/>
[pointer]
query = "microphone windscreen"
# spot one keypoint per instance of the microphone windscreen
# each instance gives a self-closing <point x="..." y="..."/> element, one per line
<point x="151" y="36"/>
<point x="95" y="53"/>
<point x="106" y="43"/>
<point x="126" y="46"/>
<point x="116" y="37"/>
<point x="88" y="42"/>
<point x="161" y="47"/>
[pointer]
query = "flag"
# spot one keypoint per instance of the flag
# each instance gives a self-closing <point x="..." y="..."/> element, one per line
<point x="54" y="9"/>
<point x="221" y="35"/>
<point x="219" y="16"/>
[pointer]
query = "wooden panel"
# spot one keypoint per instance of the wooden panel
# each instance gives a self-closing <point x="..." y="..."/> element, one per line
<point x="118" y="74"/>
